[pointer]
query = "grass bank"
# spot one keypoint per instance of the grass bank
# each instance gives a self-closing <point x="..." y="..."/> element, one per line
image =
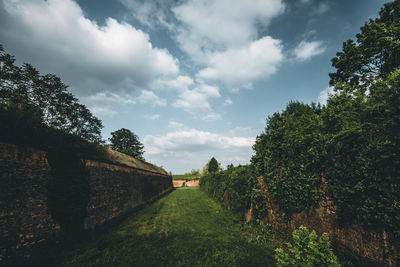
<point x="184" y="228"/>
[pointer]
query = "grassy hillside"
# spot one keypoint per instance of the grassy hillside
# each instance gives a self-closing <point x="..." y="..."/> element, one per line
<point x="121" y="158"/>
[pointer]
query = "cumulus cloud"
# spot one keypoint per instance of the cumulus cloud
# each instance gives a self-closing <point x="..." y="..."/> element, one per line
<point x="187" y="149"/>
<point x="228" y="23"/>
<point x="103" y="104"/>
<point x="239" y="67"/>
<point x="306" y="50"/>
<point x="175" y="124"/>
<point x="220" y="36"/>
<point x="197" y="99"/>
<point x="56" y="36"/>
<point x="180" y="83"/>
<point x="193" y="141"/>
<point x="148" y="97"/>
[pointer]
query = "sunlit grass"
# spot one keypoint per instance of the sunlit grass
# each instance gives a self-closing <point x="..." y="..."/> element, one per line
<point x="185" y="228"/>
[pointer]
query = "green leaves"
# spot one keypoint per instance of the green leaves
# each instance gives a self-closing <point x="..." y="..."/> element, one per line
<point x="289" y="154"/>
<point x="58" y="109"/>
<point x="125" y="141"/>
<point x="375" y="54"/>
<point x="306" y="250"/>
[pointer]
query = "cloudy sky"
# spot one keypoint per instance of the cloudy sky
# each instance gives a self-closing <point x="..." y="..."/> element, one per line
<point x="192" y="78"/>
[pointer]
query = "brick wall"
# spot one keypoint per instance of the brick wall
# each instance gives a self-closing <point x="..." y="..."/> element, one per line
<point x="24" y="217"/>
<point x="373" y="248"/>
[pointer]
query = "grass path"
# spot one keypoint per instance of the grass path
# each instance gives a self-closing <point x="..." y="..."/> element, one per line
<point x="184" y="228"/>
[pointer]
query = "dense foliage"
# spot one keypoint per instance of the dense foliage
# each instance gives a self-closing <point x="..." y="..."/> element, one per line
<point x="353" y="141"/>
<point x="288" y="156"/>
<point x="213" y="165"/>
<point x="237" y="188"/>
<point x="125" y="141"/>
<point x="306" y="250"/>
<point x="29" y="100"/>
<point x="374" y="54"/>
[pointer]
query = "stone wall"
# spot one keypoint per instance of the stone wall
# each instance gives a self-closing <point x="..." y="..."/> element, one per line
<point x="25" y="220"/>
<point x="373" y="248"/>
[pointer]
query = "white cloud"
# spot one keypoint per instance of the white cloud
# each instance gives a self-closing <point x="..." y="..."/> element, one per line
<point x="220" y="36"/>
<point x="306" y="50"/>
<point x="175" y="124"/>
<point x="239" y="67"/>
<point x="180" y="83"/>
<point x="241" y="131"/>
<point x="148" y="97"/>
<point x="209" y="25"/>
<point x="197" y="99"/>
<point x="56" y="36"/>
<point x="186" y="149"/>
<point x="104" y="103"/>
<point x="324" y="95"/>
<point x="211" y="117"/>
<point x="155" y="116"/>
<point x="193" y="141"/>
<point x="228" y="102"/>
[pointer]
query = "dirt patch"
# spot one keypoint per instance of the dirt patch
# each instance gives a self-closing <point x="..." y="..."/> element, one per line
<point x="179" y="183"/>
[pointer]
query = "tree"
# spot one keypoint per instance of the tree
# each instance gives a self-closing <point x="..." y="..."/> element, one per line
<point x="125" y="141"/>
<point x="375" y="54"/>
<point x="213" y="165"/>
<point x="24" y="89"/>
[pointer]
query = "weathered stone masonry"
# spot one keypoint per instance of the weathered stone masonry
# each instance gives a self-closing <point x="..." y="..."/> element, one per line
<point x="24" y="217"/>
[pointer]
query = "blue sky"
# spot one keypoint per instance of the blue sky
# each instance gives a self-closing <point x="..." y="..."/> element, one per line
<point x="192" y="78"/>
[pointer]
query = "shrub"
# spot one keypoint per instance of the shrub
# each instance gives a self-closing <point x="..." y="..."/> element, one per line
<point x="306" y="250"/>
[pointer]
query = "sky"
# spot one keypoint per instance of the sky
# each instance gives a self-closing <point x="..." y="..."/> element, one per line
<point x="194" y="79"/>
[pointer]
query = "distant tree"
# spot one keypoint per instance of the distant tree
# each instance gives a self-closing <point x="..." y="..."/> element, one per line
<point x="125" y="141"/>
<point x="375" y="53"/>
<point x="23" y="89"/>
<point x="213" y="165"/>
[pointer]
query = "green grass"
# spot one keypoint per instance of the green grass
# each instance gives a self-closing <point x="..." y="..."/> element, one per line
<point x="184" y="228"/>
<point x="185" y="177"/>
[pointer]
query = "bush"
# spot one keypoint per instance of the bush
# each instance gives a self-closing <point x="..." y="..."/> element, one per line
<point x="306" y="250"/>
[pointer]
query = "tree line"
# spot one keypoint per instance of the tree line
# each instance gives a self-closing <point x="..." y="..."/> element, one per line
<point x="37" y="110"/>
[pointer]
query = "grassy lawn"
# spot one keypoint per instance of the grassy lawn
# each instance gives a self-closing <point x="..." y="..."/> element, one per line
<point x="184" y="228"/>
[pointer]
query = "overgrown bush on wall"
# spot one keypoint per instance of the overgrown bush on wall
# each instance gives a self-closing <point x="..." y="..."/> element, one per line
<point x="288" y="155"/>
<point x="353" y="141"/>
<point x="237" y="188"/>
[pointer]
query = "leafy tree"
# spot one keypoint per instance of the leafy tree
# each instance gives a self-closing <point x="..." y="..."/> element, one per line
<point x="288" y="154"/>
<point x="306" y="250"/>
<point x="125" y="141"/>
<point x="23" y="88"/>
<point x="375" y="53"/>
<point x="213" y="165"/>
<point x="363" y="155"/>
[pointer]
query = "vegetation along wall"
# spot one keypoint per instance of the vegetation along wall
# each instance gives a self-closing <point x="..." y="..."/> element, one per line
<point x="45" y="194"/>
